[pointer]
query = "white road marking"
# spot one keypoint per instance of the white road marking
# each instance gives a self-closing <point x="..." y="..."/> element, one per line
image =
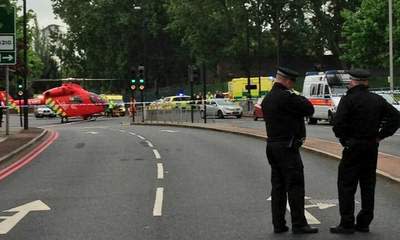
<point x="305" y="198"/>
<point x="133" y="134"/>
<point x="157" y="154"/>
<point x="321" y="206"/>
<point x="397" y="135"/>
<point x="122" y="131"/>
<point x="21" y="211"/>
<point x="93" y="133"/>
<point x="169" y="131"/>
<point x="310" y="218"/>
<point x="160" y="171"/>
<point x="150" y="144"/>
<point x="157" y="210"/>
<point x="141" y="137"/>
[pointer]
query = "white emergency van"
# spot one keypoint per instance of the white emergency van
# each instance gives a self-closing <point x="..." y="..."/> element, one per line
<point x="324" y="90"/>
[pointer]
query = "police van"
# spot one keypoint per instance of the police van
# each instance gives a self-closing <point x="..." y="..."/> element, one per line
<point x="324" y="90"/>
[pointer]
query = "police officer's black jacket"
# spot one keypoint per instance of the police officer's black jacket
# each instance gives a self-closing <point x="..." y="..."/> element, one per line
<point x="284" y="113"/>
<point x="364" y="115"/>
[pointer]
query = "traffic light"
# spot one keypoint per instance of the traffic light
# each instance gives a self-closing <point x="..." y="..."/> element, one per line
<point x="141" y="77"/>
<point x="20" y="89"/>
<point x="133" y="79"/>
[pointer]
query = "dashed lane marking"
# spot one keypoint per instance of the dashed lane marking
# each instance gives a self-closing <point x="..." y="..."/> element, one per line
<point x="169" y="131"/>
<point x="160" y="171"/>
<point x="150" y="144"/>
<point x="133" y="134"/>
<point x="157" y="210"/>
<point x="157" y="154"/>
<point x="141" y="137"/>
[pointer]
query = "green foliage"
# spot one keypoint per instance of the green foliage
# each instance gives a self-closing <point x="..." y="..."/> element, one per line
<point x="366" y="34"/>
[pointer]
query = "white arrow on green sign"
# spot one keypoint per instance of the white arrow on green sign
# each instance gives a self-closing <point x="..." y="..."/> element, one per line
<point x="7" y="36"/>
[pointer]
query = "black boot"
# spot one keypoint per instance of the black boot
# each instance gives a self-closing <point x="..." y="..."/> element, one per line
<point x="359" y="228"/>
<point x="281" y="229"/>
<point x="304" y="230"/>
<point x="342" y="230"/>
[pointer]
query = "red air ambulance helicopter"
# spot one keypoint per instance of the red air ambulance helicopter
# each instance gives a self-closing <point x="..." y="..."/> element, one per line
<point x="67" y="101"/>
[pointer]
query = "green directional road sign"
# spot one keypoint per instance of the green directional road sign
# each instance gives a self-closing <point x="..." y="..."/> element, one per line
<point x="8" y="49"/>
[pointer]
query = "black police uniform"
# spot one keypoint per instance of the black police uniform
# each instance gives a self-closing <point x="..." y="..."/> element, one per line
<point x="284" y="113"/>
<point x="362" y="119"/>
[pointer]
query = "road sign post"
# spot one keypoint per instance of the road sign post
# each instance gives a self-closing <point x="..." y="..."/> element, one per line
<point x="7" y="102"/>
<point x="8" y="50"/>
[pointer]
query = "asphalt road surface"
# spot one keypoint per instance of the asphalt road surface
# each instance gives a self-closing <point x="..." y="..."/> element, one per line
<point x="321" y="131"/>
<point x="107" y="180"/>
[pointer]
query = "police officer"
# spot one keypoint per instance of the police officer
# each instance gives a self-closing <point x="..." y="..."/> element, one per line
<point x="284" y="113"/>
<point x="362" y="120"/>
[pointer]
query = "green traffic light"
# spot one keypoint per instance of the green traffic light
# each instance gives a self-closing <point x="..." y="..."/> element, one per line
<point x="141" y="80"/>
<point x="133" y="81"/>
<point x="20" y="86"/>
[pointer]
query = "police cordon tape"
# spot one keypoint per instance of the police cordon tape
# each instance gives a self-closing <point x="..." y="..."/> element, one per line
<point x="93" y="104"/>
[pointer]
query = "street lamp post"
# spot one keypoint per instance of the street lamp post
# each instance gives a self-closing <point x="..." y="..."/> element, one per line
<point x="391" y="80"/>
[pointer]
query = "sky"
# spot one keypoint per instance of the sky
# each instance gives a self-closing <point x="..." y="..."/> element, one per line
<point x="44" y="12"/>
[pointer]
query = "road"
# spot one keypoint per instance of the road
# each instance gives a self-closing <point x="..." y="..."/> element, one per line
<point x="107" y="180"/>
<point x="321" y="131"/>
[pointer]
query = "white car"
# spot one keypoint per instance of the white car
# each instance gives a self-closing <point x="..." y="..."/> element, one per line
<point x="222" y="108"/>
<point x="41" y="112"/>
<point x="390" y="99"/>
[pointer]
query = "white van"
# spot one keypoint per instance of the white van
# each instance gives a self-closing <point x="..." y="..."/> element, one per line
<point x="324" y="90"/>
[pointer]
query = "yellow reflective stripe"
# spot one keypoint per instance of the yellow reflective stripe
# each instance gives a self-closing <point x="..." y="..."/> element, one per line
<point x="48" y="101"/>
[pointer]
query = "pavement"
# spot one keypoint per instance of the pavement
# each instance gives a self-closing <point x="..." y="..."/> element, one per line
<point x="321" y="131"/>
<point x="18" y="140"/>
<point x="388" y="165"/>
<point x="107" y="180"/>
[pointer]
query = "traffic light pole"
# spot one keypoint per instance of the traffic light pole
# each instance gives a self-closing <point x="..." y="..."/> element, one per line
<point x="190" y="75"/>
<point x="143" y="104"/>
<point x="20" y="111"/>
<point x="133" y="107"/>
<point x="26" y="109"/>
<point x="204" y="77"/>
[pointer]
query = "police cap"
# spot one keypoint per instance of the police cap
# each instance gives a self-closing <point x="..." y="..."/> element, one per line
<point x="359" y="74"/>
<point x="288" y="73"/>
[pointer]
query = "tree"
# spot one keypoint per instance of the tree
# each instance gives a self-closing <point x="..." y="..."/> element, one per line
<point x="366" y="33"/>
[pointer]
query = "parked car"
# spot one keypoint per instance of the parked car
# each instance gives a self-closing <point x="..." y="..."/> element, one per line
<point x="258" y="113"/>
<point x="222" y="108"/>
<point x="175" y="102"/>
<point x="390" y="99"/>
<point x="324" y="90"/>
<point x="41" y="112"/>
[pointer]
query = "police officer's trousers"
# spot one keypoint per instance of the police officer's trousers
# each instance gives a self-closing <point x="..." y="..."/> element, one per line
<point x="287" y="178"/>
<point x="358" y="165"/>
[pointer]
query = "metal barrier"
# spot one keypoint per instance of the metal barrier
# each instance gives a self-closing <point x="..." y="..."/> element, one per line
<point x="248" y="107"/>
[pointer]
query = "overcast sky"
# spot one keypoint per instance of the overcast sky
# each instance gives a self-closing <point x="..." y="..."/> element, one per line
<point x="44" y="12"/>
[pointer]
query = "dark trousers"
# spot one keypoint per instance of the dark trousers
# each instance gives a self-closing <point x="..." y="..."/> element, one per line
<point x="358" y="165"/>
<point x="287" y="178"/>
